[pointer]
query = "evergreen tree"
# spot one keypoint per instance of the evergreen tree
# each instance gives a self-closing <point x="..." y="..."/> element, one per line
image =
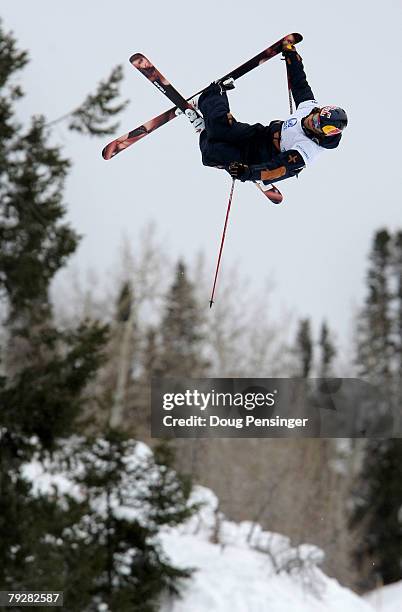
<point x="182" y="330"/>
<point x="377" y="513"/>
<point x="374" y="337"/>
<point x="93" y="115"/>
<point x="109" y="551"/>
<point x="397" y="332"/>
<point x="45" y="370"/>
<point x="328" y="352"/>
<point x="304" y="348"/>
<point x="124" y="305"/>
<point x="378" y="496"/>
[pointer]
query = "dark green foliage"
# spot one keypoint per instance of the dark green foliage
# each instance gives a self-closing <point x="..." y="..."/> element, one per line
<point x="169" y="489"/>
<point x="32" y="554"/>
<point x="15" y="507"/>
<point x="45" y="369"/>
<point x="397" y="272"/>
<point x="182" y="330"/>
<point x="375" y="327"/>
<point x="378" y="509"/>
<point x="124" y="303"/>
<point x="328" y="352"/>
<point x="379" y="489"/>
<point x="12" y="60"/>
<point x="110" y="551"/>
<point x="34" y="244"/>
<point x="96" y="110"/>
<point x="304" y="348"/>
<point x="45" y="397"/>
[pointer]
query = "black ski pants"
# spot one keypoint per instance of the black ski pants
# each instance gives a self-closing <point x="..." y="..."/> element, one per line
<point x="221" y="142"/>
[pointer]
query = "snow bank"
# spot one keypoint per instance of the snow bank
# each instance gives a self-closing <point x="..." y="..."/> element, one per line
<point x="232" y="576"/>
<point x="386" y="599"/>
<point x="239" y="566"/>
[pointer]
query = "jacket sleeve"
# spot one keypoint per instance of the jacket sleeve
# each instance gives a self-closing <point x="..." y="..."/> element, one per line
<point x="301" y="90"/>
<point x="282" y="166"/>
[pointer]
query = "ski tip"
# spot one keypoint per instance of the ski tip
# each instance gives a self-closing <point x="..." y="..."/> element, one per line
<point x="275" y="196"/>
<point x="135" y="56"/>
<point x="109" y="151"/>
<point x="298" y="37"/>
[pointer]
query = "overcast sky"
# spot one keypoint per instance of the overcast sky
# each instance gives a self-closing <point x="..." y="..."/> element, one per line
<point x="315" y="245"/>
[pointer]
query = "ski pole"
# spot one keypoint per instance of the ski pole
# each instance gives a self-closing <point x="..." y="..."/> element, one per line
<point x="289" y="87"/>
<point x="290" y="94"/>
<point x="289" y="90"/>
<point x="211" y="301"/>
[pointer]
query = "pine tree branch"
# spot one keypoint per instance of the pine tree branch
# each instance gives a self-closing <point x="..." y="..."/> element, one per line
<point x="93" y="115"/>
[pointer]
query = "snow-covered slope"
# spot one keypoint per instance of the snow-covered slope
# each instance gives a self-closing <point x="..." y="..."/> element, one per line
<point x="238" y="566"/>
<point x="386" y="599"/>
<point x="232" y="576"/>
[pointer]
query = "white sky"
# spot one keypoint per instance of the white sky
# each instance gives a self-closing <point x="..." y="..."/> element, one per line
<point x="315" y="245"/>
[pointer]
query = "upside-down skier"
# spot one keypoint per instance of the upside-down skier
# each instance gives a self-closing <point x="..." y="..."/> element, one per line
<point x="269" y="153"/>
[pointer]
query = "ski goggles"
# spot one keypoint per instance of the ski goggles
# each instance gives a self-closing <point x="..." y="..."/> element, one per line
<point x="327" y="130"/>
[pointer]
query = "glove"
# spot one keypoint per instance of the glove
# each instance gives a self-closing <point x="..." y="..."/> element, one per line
<point x="288" y="44"/>
<point x="240" y="171"/>
<point x="289" y="50"/>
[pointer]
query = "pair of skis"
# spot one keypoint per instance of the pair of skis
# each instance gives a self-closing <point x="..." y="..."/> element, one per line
<point x="183" y="105"/>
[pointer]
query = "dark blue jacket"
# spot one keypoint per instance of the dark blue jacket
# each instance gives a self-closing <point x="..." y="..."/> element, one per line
<point x="256" y="145"/>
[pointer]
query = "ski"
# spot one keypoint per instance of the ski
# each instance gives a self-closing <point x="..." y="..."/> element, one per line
<point x="144" y="65"/>
<point x="270" y="191"/>
<point x="126" y="140"/>
<point x="147" y="68"/>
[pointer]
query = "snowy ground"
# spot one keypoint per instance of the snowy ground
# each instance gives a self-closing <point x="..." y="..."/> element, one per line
<point x="232" y="576"/>
<point x="238" y="580"/>
<point x="386" y="599"/>
<point x="239" y="567"/>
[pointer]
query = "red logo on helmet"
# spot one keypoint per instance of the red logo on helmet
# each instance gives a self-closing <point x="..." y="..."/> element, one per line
<point x="326" y="111"/>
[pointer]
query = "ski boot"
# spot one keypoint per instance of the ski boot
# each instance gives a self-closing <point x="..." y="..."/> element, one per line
<point x="226" y="85"/>
<point x="195" y="119"/>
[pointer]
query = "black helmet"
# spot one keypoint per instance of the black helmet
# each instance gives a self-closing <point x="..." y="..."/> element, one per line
<point x="331" y="120"/>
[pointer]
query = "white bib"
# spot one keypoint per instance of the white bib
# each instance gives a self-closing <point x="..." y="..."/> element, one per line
<point x="293" y="136"/>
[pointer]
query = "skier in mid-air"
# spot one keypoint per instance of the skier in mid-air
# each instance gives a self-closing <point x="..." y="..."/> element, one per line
<point x="269" y="153"/>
